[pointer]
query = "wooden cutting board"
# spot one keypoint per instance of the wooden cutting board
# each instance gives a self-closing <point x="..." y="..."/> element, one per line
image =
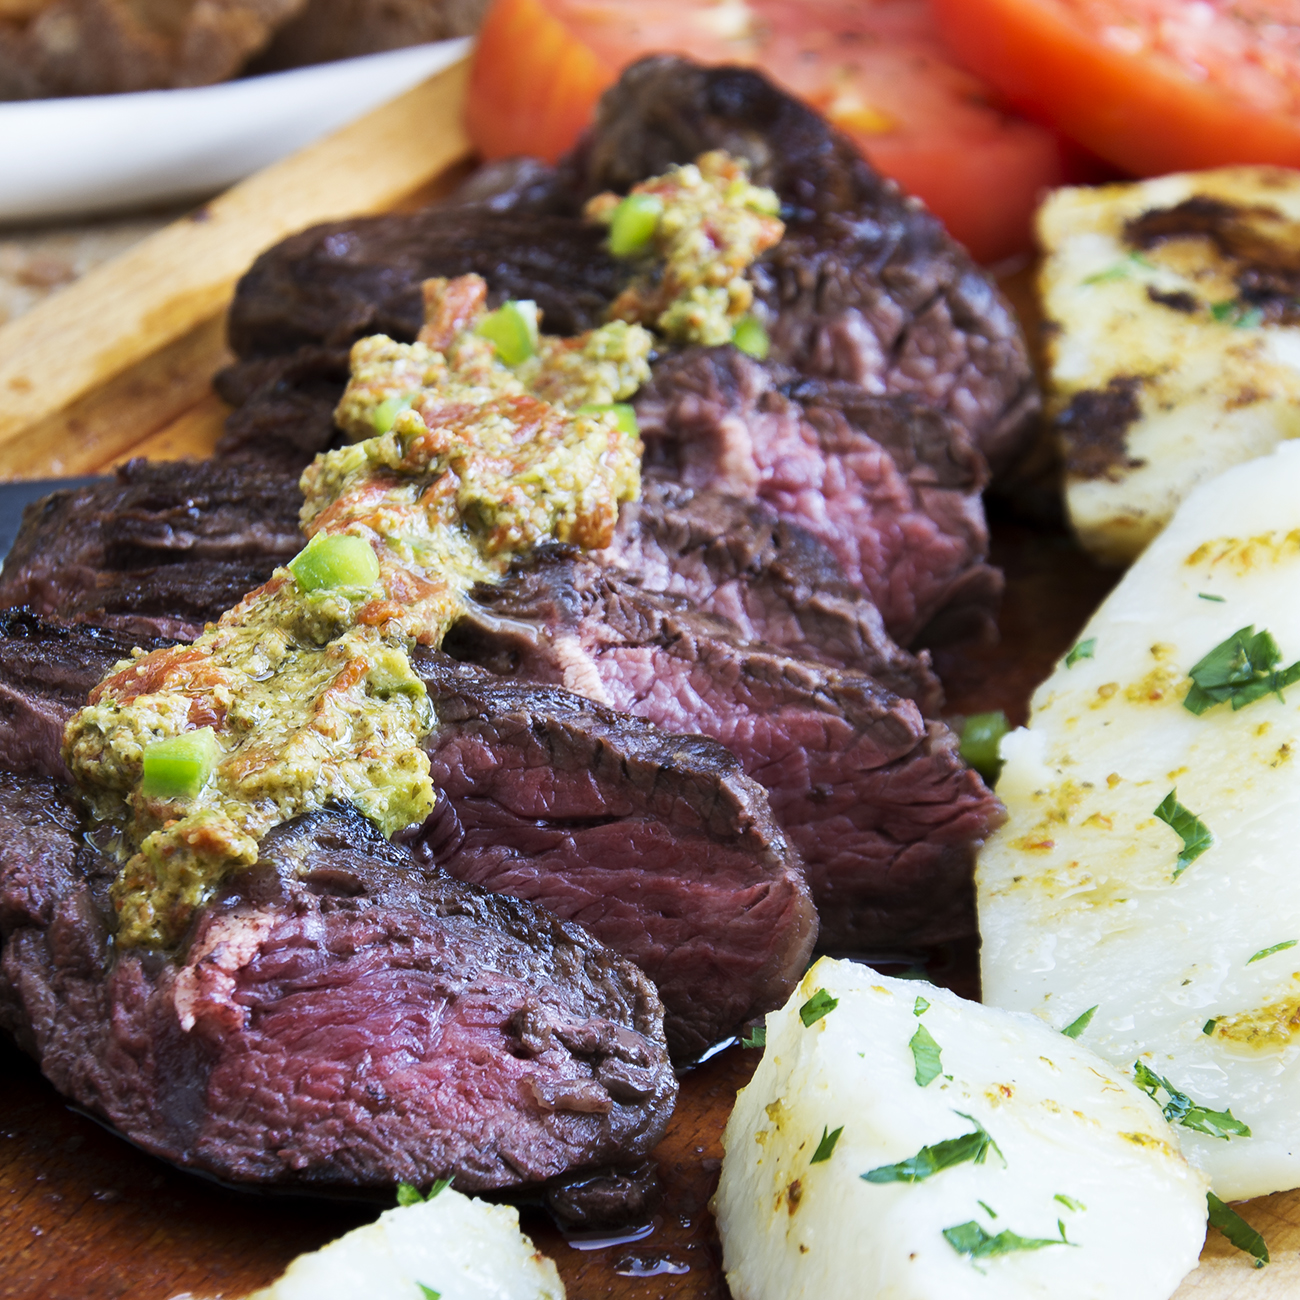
<point x="120" y="364"/>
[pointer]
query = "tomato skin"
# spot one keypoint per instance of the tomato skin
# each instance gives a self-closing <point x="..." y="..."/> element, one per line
<point x="1135" y="113"/>
<point x="541" y="65"/>
<point x="532" y="85"/>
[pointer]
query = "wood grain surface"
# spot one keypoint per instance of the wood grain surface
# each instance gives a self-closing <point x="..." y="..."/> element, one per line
<point x="119" y="365"/>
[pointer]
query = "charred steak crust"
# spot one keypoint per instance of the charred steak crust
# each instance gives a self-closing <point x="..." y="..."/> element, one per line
<point x="340" y="1017"/>
<point x="883" y="812"/>
<point x="866" y="286"/>
<point x="657" y="844"/>
<point x="155" y="550"/>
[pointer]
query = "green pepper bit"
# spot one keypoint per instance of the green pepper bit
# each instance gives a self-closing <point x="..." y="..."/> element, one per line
<point x="623" y="413"/>
<point x="633" y="224"/>
<point x="751" y="338"/>
<point x="512" y="330"/>
<point x="335" y="560"/>
<point x="980" y="738"/>
<point x="178" y="767"/>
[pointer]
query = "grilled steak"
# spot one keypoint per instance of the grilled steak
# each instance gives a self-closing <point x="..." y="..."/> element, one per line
<point x="865" y="287"/>
<point x="884" y="813"/>
<point x="890" y="487"/>
<point x="340" y="1017"/>
<point x="657" y="844"/>
<point x="157" y="550"/>
<point x="773" y="580"/>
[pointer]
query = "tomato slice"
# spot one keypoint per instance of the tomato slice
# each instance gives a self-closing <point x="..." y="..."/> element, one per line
<point x="876" y="68"/>
<point x="1150" y="85"/>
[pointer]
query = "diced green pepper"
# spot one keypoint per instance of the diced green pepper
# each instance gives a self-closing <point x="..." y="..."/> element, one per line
<point x="751" y="338"/>
<point x="512" y="329"/>
<point x="624" y="415"/>
<point x="179" y="766"/>
<point x="979" y="742"/>
<point x="633" y="224"/>
<point x="337" y="560"/>
<point x="383" y="416"/>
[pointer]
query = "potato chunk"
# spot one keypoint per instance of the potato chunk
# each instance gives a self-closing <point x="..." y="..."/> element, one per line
<point x="1023" y="1165"/>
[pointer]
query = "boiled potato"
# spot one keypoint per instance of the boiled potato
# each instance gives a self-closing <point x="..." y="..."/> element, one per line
<point x="1148" y="865"/>
<point x="454" y="1247"/>
<point x="1023" y="1165"/>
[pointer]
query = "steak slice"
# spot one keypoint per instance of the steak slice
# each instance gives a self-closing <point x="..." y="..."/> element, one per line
<point x="866" y="286"/>
<point x="340" y="1018"/>
<point x="878" y="803"/>
<point x="657" y="844"/>
<point x="890" y="487"/>
<point x="772" y="579"/>
<point x="157" y="550"/>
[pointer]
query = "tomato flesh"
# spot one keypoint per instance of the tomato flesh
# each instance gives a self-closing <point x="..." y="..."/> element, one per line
<point x="1150" y="85"/>
<point x="876" y="68"/>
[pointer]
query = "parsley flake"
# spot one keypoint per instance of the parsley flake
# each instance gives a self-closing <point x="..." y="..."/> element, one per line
<point x="1079" y="1023"/>
<point x="1069" y="1202"/>
<point x="820" y="1004"/>
<point x="1277" y="947"/>
<point x="428" y="1292"/>
<point x="826" y="1147"/>
<point x="928" y="1161"/>
<point x="1205" y="595"/>
<point x="1237" y="314"/>
<point x="1083" y="650"/>
<point x="1236" y="1229"/>
<point x="1208" y="1027"/>
<point x="925" y="1055"/>
<point x="409" y="1195"/>
<point x="1120" y="270"/>
<point x="1181" y="1109"/>
<point x="970" y="1239"/>
<point x="757" y="1037"/>
<point x="1240" y="670"/>
<point x="920" y="1006"/>
<point x="988" y="1209"/>
<point x="1193" y="832"/>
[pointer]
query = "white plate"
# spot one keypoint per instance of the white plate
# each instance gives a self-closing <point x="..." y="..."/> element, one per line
<point x="97" y="153"/>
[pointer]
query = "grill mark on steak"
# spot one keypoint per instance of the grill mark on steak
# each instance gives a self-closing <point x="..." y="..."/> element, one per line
<point x="891" y="488"/>
<point x="883" y="812"/>
<point x="865" y="286"/>
<point x="408" y="1027"/>
<point x="156" y="550"/>
<point x="682" y="870"/>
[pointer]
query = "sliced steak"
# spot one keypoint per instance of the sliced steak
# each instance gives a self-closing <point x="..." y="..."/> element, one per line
<point x="158" y="549"/>
<point x="772" y="579"/>
<point x="341" y="1016"/>
<point x="46" y="672"/>
<point x="658" y="844"/>
<point x="865" y="287"/>
<point x="890" y="487"/>
<point x="884" y="813"/>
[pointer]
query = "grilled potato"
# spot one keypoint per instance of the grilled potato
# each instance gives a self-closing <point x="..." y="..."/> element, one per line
<point x="1173" y="339"/>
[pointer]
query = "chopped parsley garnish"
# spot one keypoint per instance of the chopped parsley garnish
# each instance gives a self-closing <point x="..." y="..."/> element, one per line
<point x="1079" y="1024"/>
<point x="1277" y="947"/>
<point x="920" y="1006"/>
<point x="757" y="1037"/>
<point x="988" y="1209"/>
<point x="1236" y="1229"/>
<point x="970" y="1239"/>
<point x="409" y="1195"/>
<point x="820" y="1004"/>
<point x="1181" y="1109"/>
<point x="826" y="1147"/>
<point x="1069" y="1202"/>
<point x="1205" y="595"/>
<point x="1193" y="832"/>
<point x="981" y="734"/>
<point x="1208" y="1026"/>
<point x="1083" y="650"/>
<point x="925" y="1055"/>
<point x="428" y="1292"/>
<point x="1236" y="314"/>
<point x="928" y="1161"/>
<point x="1119" y="271"/>
<point x="1240" y="670"/>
